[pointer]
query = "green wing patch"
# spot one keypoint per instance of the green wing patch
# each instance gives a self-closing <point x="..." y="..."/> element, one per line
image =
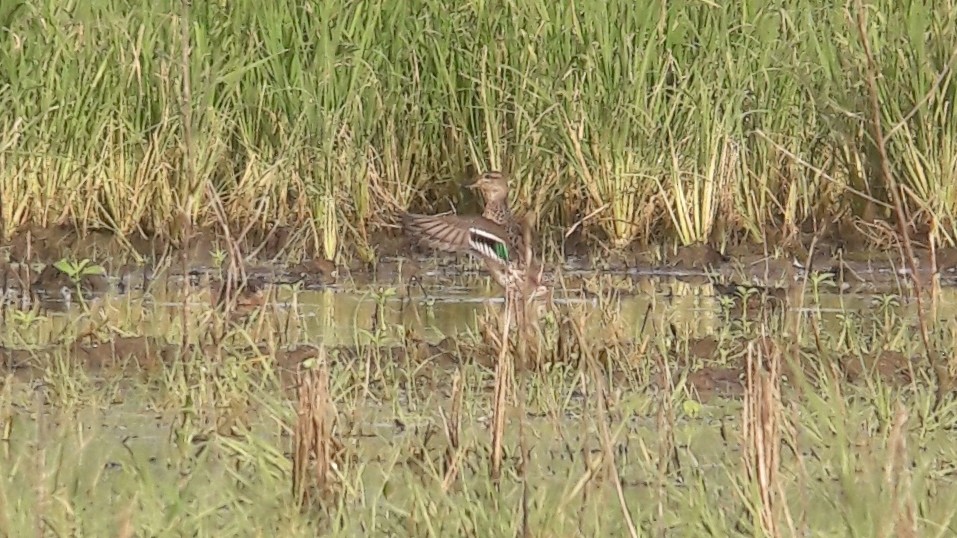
<point x="487" y="245"/>
<point x="501" y="251"/>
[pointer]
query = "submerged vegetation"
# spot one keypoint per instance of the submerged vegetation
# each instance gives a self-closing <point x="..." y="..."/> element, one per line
<point x="678" y="121"/>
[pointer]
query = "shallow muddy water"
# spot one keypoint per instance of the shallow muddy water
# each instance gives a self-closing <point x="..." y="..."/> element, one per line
<point x="443" y="305"/>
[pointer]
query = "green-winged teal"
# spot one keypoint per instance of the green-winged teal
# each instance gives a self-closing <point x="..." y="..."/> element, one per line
<point x="497" y="238"/>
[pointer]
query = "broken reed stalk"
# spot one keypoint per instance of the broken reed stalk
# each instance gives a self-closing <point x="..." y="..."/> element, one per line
<point x="313" y="437"/>
<point x="523" y="466"/>
<point x="762" y="437"/>
<point x="502" y="382"/>
<point x="897" y="479"/>
<point x="453" y="432"/>
<point x="665" y="425"/>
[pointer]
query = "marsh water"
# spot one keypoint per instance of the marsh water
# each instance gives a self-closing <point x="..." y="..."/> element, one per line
<point x="447" y="302"/>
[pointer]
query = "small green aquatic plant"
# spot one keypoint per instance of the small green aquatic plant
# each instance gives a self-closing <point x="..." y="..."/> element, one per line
<point x="77" y="270"/>
<point x="219" y="257"/>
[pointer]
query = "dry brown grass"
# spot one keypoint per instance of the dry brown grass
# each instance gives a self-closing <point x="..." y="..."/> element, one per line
<point x="316" y="449"/>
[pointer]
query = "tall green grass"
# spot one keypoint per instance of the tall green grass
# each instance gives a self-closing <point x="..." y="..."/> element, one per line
<point x="658" y="120"/>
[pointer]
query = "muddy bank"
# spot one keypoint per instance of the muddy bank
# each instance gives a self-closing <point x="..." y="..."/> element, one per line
<point x="280" y="255"/>
<point x="286" y="245"/>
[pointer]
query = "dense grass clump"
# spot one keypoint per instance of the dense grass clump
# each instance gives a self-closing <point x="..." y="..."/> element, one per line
<point x="665" y="120"/>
